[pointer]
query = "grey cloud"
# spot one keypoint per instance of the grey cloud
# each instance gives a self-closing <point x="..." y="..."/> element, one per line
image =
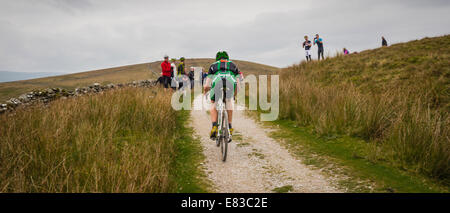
<point x="74" y="36"/>
<point x="70" y="5"/>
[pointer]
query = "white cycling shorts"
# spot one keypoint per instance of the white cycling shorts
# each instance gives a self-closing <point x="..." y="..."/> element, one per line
<point x="308" y="52"/>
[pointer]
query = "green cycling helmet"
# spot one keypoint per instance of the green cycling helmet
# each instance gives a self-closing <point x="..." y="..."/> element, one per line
<point x="222" y="55"/>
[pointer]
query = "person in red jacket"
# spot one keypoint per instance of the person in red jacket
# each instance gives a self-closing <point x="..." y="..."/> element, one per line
<point x="166" y="72"/>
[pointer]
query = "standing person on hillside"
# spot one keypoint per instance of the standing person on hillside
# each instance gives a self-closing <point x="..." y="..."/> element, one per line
<point x="319" y="43"/>
<point x="191" y="76"/>
<point x="166" y="72"/>
<point x="383" y="42"/>
<point x="173" y="68"/>
<point x="181" y="74"/>
<point x="307" y="45"/>
<point x="346" y="52"/>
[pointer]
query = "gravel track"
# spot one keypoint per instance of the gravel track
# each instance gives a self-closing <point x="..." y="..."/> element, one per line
<point x="255" y="163"/>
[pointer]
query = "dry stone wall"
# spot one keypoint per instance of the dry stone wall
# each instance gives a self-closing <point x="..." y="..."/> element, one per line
<point x="50" y="94"/>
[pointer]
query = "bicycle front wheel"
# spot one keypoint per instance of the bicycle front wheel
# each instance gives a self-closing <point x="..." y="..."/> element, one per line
<point x="224" y="137"/>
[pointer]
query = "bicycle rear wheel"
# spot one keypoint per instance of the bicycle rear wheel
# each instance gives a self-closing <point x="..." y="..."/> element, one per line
<point x="219" y="134"/>
<point x="217" y="142"/>
<point x="224" y="148"/>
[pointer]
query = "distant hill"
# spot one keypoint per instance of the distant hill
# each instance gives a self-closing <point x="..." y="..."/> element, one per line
<point x="115" y="75"/>
<point x="7" y="76"/>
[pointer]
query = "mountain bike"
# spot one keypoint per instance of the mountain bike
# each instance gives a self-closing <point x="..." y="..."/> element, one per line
<point x="223" y="135"/>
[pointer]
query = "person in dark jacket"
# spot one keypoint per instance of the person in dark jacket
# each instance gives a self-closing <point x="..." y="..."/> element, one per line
<point x="204" y="76"/>
<point x="181" y="73"/>
<point x="191" y="77"/>
<point x="383" y="42"/>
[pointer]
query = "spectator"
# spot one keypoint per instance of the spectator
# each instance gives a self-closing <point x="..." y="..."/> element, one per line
<point x="181" y="74"/>
<point x="173" y="68"/>
<point x="241" y="76"/>
<point x="241" y="79"/>
<point x="166" y="72"/>
<point x="204" y="76"/>
<point x="383" y="42"/>
<point x="346" y="52"/>
<point x="319" y="43"/>
<point x="307" y="45"/>
<point x="191" y="77"/>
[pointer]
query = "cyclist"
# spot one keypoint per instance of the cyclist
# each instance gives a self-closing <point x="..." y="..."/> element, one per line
<point x="223" y="67"/>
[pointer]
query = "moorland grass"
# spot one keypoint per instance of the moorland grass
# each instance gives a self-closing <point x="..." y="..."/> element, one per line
<point x="124" y="140"/>
<point x="396" y="98"/>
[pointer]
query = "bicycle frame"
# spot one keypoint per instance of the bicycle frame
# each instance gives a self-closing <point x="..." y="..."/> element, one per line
<point x="222" y="118"/>
<point x="223" y="134"/>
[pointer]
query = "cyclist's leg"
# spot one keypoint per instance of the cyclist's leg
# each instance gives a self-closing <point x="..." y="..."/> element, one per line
<point x="229" y="104"/>
<point x="229" y="107"/>
<point x="214" y="126"/>
<point x="213" y="108"/>
<point x="213" y="112"/>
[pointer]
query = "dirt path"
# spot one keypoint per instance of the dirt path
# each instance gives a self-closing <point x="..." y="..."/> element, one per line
<point x="255" y="162"/>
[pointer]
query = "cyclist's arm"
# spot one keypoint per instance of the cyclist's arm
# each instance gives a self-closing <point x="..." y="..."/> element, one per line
<point x="207" y="85"/>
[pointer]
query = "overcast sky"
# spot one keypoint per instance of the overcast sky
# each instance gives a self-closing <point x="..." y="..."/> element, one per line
<point x="82" y="35"/>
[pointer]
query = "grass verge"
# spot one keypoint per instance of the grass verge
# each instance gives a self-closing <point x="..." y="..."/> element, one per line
<point x="345" y="156"/>
<point x="188" y="172"/>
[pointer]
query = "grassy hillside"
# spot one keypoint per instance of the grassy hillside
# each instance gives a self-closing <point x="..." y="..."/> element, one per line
<point x="395" y="98"/>
<point x="125" y="140"/>
<point x="114" y="75"/>
<point x="421" y="67"/>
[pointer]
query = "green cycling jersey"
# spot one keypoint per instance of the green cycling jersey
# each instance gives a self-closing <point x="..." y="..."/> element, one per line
<point x="223" y="69"/>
